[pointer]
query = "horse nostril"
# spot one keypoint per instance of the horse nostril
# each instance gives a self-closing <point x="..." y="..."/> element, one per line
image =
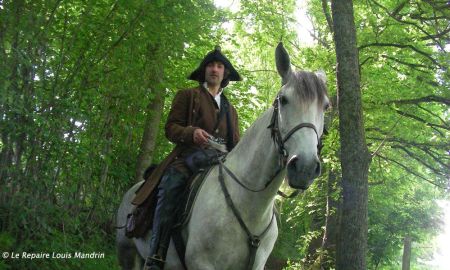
<point x="293" y="159"/>
<point x="292" y="163"/>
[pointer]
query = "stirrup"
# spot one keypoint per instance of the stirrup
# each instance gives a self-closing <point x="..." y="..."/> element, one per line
<point x="154" y="262"/>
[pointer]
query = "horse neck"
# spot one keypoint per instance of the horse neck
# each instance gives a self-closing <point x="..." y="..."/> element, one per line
<point x="254" y="161"/>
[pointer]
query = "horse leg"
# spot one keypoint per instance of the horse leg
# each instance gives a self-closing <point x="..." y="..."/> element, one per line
<point x="127" y="257"/>
<point x="127" y="253"/>
<point x="173" y="261"/>
<point x="127" y="250"/>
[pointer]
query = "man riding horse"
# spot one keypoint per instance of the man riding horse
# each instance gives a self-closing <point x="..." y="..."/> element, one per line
<point x="196" y="115"/>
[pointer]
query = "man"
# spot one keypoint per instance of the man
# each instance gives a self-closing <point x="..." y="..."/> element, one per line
<point x="196" y="114"/>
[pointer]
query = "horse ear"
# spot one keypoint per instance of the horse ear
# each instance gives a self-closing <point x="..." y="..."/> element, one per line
<point x="322" y="76"/>
<point x="283" y="62"/>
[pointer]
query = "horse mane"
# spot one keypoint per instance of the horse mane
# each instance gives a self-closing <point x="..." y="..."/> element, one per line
<point x="308" y="86"/>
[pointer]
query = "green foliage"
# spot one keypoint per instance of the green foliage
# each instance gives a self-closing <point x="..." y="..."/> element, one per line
<point x="408" y="212"/>
<point x="76" y="78"/>
<point x="401" y="67"/>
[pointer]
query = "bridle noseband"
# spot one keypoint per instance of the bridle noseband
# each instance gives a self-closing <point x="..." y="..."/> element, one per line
<point x="278" y="137"/>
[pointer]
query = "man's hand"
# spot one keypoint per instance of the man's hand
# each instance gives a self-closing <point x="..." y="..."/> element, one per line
<point x="200" y="137"/>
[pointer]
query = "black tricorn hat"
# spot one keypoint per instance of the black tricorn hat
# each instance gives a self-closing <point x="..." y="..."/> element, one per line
<point x="215" y="55"/>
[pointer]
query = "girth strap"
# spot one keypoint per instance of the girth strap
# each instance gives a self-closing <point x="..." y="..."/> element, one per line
<point x="253" y="240"/>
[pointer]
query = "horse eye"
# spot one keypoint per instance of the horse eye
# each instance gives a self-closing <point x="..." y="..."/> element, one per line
<point x="283" y="100"/>
<point x="326" y="106"/>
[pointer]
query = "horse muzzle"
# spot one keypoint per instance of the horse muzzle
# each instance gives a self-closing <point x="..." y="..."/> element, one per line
<point x="301" y="173"/>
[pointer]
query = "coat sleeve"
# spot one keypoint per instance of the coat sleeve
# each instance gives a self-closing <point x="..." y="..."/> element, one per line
<point x="177" y="127"/>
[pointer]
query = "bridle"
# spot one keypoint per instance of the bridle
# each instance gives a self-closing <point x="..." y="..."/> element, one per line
<point x="282" y="151"/>
<point x="278" y="137"/>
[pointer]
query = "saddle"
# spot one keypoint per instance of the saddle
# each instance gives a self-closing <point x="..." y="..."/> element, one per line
<point x="140" y="220"/>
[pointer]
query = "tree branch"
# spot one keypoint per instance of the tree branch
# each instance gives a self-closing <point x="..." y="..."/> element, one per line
<point x="48" y="21"/>
<point x="430" y="98"/>
<point x="411" y="65"/>
<point x="402" y="46"/>
<point x="365" y="61"/>
<point x="434" y="157"/>
<point x="395" y="16"/>
<point x="440" y="146"/>
<point x="398" y="9"/>
<point x="437" y="35"/>
<point x="440" y="158"/>
<point x="388" y="134"/>
<point x="434" y="126"/>
<point x="326" y="12"/>
<point x="433" y="114"/>
<point x="123" y="35"/>
<point x="418" y="16"/>
<point x="414" y="156"/>
<point x="410" y="170"/>
<point x="261" y="70"/>
<point x="436" y="4"/>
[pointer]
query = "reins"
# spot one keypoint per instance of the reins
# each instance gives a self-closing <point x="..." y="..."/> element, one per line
<point x="236" y="179"/>
<point x="253" y="240"/>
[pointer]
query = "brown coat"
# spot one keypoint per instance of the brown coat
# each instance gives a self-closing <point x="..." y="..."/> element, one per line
<point x="191" y="109"/>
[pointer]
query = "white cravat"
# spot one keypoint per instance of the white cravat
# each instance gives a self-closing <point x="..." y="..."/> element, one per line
<point x="217" y="97"/>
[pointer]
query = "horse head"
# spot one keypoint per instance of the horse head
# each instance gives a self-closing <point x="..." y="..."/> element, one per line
<point x="299" y="120"/>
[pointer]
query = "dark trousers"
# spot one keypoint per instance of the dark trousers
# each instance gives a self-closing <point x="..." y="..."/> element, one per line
<point x="170" y="190"/>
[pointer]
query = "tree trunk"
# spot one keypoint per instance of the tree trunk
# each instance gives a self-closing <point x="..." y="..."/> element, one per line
<point x="18" y="76"/>
<point x="406" y="253"/>
<point x="352" y="245"/>
<point x="312" y="254"/>
<point x="154" y="110"/>
<point x="331" y="223"/>
<point x="154" y="68"/>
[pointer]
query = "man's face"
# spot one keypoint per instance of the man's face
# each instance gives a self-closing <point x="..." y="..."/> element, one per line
<point x="214" y="72"/>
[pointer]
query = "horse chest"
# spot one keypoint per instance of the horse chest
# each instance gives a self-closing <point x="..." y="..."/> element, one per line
<point x="215" y="238"/>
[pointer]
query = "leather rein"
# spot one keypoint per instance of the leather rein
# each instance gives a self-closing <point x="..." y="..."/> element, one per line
<point x="255" y="240"/>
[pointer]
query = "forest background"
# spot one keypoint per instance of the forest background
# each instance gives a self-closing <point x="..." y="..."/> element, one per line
<point x="85" y="87"/>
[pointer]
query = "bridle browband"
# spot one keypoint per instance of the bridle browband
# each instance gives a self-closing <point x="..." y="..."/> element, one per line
<point x="278" y="137"/>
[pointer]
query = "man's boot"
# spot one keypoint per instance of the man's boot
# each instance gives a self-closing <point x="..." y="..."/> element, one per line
<point x="170" y="189"/>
